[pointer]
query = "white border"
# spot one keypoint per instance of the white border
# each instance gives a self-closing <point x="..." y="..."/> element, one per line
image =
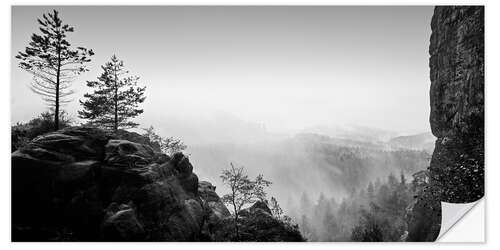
<point x="492" y="121"/>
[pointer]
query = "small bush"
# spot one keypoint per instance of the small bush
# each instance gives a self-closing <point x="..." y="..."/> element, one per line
<point x="168" y="145"/>
<point x="22" y="133"/>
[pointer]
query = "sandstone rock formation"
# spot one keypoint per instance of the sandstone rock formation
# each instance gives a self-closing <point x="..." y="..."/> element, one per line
<point x="457" y="102"/>
<point x="456" y="65"/>
<point x="258" y="224"/>
<point x="84" y="184"/>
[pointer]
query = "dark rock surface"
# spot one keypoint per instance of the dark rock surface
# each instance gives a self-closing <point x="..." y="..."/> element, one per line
<point x="456" y="65"/>
<point x="457" y="102"/>
<point x="257" y="224"/>
<point x="97" y="187"/>
<point x="207" y="193"/>
<point x="121" y="224"/>
<point x="84" y="184"/>
<point x="424" y="217"/>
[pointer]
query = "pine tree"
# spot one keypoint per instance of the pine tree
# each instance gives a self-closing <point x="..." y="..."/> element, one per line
<point x="370" y="191"/>
<point x="53" y="62"/>
<point x="116" y="98"/>
<point x="275" y="208"/>
<point x="403" y="179"/>
<point x="392" y="181"/>
<point x="305" y="204"/>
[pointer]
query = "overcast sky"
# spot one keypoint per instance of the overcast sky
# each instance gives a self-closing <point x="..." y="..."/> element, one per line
<point x="287" y="68"/>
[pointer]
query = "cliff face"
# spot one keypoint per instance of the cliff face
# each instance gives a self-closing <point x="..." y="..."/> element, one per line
<point x="457" y="102"/>
<point x="456" y="66"/>
<point x="83" y="184"/>
<point x="457" y="70"/>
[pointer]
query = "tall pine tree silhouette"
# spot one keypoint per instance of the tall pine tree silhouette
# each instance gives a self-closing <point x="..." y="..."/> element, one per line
<point x="53" y="63"/>
<point x="115" y="100"/>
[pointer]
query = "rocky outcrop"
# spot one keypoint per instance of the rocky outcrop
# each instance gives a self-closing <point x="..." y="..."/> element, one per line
<point x="207" y="193"/>
<point x="456" y="65"/>
<point x="257" y="223"/>
<point x="457" y="102"/>
<point x="85" y="184"/>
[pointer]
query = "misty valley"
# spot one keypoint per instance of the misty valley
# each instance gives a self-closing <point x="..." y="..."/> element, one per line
<point x="323" y="182"/>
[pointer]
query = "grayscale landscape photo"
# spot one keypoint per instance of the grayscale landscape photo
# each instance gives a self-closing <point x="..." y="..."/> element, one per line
<point x="244" y="123"/>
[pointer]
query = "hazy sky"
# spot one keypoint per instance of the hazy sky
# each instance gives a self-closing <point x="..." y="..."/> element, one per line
<point x="286" y="68"/>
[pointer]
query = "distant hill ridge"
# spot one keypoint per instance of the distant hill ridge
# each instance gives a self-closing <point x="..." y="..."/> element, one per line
<point x="422" y="141"/>
<point x="418" y="141"/>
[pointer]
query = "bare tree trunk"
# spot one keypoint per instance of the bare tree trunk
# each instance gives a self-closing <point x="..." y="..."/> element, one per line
<point x="56" y="111"/>
<point x="236" y="227"/>
<point x="116" y="101"/>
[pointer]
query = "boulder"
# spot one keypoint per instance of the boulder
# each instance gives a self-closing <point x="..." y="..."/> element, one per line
<point x="121" y="224"/>
<point x="126" y="154"/>
<point x="182" y="164"/>
<point x="207" y="193"/>
<point x="260" y="205"/>
<point x="135" y="137"/>
<point x="67" y="145"/>
<point x="256" y="223"/>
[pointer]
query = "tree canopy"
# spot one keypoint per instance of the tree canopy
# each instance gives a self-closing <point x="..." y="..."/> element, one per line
<point x="116" y="98"/>
<point x="168" y="145"/>
<point x="53" y="62"/>
<point x="243" y="190"/>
